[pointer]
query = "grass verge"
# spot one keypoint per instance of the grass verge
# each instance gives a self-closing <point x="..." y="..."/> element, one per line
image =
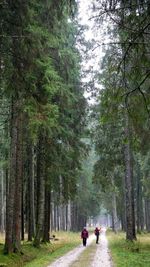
<point x="33" y="257"/>
<point x="129" y="254"/>
<point x="86" y="257"/>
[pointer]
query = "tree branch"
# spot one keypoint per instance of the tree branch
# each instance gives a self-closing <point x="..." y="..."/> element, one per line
<point x="140" y="90"/>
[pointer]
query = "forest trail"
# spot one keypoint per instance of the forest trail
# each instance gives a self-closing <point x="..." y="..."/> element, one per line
<point x="102" y="256"/>
<point x="101" y="259"/>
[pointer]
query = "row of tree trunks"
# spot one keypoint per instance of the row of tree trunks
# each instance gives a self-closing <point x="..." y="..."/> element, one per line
<point x="30" y="203"/>
<point x="60" y="218"/>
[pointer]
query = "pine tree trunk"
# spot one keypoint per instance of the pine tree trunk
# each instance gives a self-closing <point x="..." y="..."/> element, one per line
<point x="62" y="213"/>
<point x="52" y="228"/>
<point x="147" y="213"/>
<point x="14" y="190"/>
<point x="139" y="202"/>
<point x="130" y="221"/>
<point x="46" y="232"/>
<point x="58" y="217"/>
<point x="11" y="183"/>
<point x="55" y="217"/>
<point x="114" y="207"/>
<point x="124" y="225"/>
<point x="2" y="202"/>
<point x="142" y="222"/>
<point x="40" y="190"/>
<point x="51" y="212"/>
<point x="22" y="213"/>
<point x="68" y="217"/>
<point x="18" y="188"/>
<point x="31" y="212"/>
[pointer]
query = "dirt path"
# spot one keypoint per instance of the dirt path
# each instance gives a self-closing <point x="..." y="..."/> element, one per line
<point x="101" y="258"/>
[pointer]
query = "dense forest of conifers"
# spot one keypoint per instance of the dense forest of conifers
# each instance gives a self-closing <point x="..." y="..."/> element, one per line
<point x="46" y="126"/>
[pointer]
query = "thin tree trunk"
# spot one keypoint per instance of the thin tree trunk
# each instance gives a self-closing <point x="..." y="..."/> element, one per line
<point x="140" y="213"/>
<point x="52" y="212"/>
<point x="2" y="210"/>
<point x="142" y="222"/>
<point x="31" y="213"/>
<point x="55" y="217"/>
<point x="40" y="190"/>
<point x="62" y="216"/>
<point x="66" y="226"/>
<point x="124" y="223"/>
<point x="46" y="232"/>
<point x="18" y="189"/>
<point x="114" y="207"/>
<point x="68" y="216"/>
<point x="147" y="213"/>
<point x="22" y="213"/>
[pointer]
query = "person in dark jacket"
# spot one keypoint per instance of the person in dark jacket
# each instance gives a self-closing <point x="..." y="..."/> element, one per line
<point x="84" y="236"/>
<point x="97" y="233"/>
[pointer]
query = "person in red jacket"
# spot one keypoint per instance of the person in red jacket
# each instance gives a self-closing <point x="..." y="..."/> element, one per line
<point x="97" y="233"/>
<point x="84" y="236"/>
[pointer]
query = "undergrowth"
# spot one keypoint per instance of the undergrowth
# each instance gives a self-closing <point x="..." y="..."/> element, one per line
<point x="129" y="254"/>
<point x="40" y="257"/>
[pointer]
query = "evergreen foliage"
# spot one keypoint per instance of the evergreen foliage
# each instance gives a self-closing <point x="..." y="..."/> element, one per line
<point x="42" y="94"/>
<point x="123" y="110"/>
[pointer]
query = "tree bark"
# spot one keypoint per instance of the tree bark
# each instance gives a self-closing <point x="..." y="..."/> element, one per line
<point x="124" y="224"/>
<point x="55" y="217"/>
<point x="147" y="214"/>
<point x="46" y="231"/>
<point x="58" y="217"/>
<point x="14" y="190"/>
<point x="11" y="183"/>
<point x="139" y="203"/>
<point x="2" y="203"/>
<point x="18" y="188"/>
<point x="31" y="212"/>
<point x="22" y="213"/>
<point x="40" y="189"/>
<point x="130" y="219"/>
<point x="68" y="214"/>
<point x="114" y="207"/>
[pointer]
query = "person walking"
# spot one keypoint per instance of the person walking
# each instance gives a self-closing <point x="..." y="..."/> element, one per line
<point x="84" y="236"/>
<point x="97" y="233"/>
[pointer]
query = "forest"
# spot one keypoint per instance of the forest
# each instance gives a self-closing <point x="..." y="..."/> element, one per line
<point x="62" y="159"/>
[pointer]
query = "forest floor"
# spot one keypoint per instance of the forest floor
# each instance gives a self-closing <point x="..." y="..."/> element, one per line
<point x="123" y="253"/>
<point x="129" y="254"/>
<point x="40" y="257"/>
<point x="93" y="255"/>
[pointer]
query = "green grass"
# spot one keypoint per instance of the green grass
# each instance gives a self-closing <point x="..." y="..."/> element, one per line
<point x="129" y="254"/>
<point x="86" y="257"/>
<point x="33" y="257"/>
